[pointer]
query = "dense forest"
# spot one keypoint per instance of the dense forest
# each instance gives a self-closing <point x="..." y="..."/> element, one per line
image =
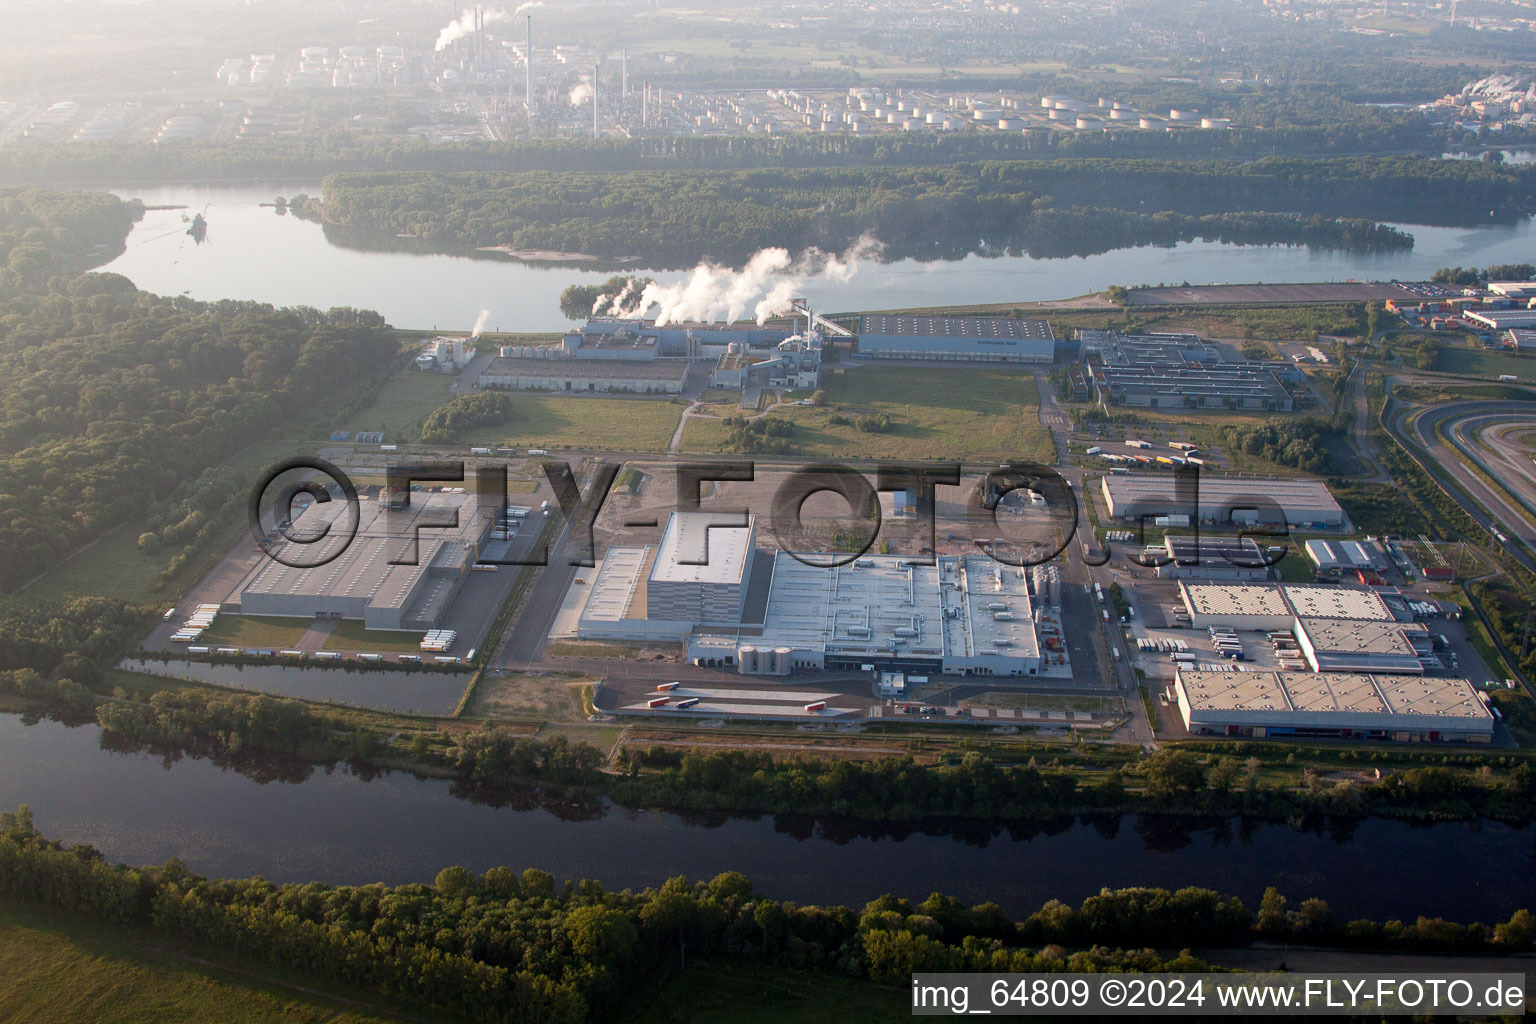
<point x="508" y="945"/>
<point x="1064" y="207"/>
<point x="1298" y="443"/>
<point x="114" y="402"/>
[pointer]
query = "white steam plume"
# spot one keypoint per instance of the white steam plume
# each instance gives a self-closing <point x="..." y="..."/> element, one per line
<point x="465" y="25"/>
<point x="480" y="322"/>
<point x="530" y="5"/>
<point x="581" y="92"/>
<point x="765" y="286"/>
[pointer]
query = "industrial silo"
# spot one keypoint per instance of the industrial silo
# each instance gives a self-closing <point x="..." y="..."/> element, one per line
<point x="747" y="660"/>
<point x="782" y="659"/>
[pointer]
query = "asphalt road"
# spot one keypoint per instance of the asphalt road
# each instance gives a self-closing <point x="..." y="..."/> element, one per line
<point x="1512" y="521"/>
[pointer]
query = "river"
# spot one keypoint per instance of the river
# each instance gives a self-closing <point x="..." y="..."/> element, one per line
<point x="338" y="828"/>
<point x="252" y="253"/>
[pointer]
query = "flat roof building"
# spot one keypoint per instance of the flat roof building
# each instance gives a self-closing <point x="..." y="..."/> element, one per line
<point x="965" y="615"/>
<point x="1278" y="704"/>
<point x="1501" y="319"/>
<point x="637" y="376"/>
<point x="1355" y="645"/>
<point x="1278" y="605"/>
<point x="360" y="582"/>
<point x="1212" y="557"/>
<point x="968" y="338"/>
<point x="1178" y="371"/>
<point x="1346" y="555"/>
<point x="1296" y="502"/>
<point x="700" y="571"/>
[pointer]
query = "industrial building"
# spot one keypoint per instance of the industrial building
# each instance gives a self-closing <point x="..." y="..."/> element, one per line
<point x="964" y="338"/>
<point x="1245" y="606"/>
<point x="1345" y="556"/>
<point x="1226" y="558"/>
<point x="445" y="354"/>
<point x="1351" y="645"/>
<point x="1521" y="339"/>
<point x="1296" y="502"/>
<point x="1178" y="371"/>
<point x="1338" y="629"/>
<point x="362" y="582"/>
<point x="1501" y="319"/>
<point x="771" y="615"/>
<point x="636" y="376"/>
<point x="641" y="356"/>
<point x="1268" y="704"/>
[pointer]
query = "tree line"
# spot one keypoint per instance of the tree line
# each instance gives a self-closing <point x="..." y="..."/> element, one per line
<point x="507" y="945"/>
<point x="1054" y="208"/>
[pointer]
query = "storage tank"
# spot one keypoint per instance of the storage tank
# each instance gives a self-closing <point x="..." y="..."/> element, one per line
<point x="747" y="660"/>
<point x="1183" y="115"/>
<point x="783" y="658"/>
<point x="1154" y="122"/>
<point x="933" y="118"/>
<point x="1056" y="114"/>
<point x="1089" y="124"/>
<point x="1215" y="122"/>
<point x="1008" y="123"/>
<point x="911" y="124"/>
<point x="1121" y="114"/>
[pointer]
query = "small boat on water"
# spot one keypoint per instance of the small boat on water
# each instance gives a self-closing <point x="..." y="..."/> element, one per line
<point x="199" y="228"/>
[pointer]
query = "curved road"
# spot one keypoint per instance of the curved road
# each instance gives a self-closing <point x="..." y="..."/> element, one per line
<point x="1448" y="419"/>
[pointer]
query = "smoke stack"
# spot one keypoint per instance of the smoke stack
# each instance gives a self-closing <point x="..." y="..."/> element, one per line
<point x="597" y="131"/>
<point x="528" y="63"/>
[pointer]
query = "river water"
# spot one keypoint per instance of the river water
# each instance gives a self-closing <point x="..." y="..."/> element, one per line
<point x="252" y="253"/>
<point x="339" y="828"/>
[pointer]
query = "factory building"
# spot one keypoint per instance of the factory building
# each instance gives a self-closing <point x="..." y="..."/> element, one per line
<point x="964" y="338"/>
<point x="1283" y="704"/>
<point x="445" y="355"/>
<point x="1296" y="502"/>
<point x="700" y="571"/>
<point x="635" y="376"/>
<point x="968" y="616"/>
<point x="361" y="582"/>
<point x="1178" y="371"/>
<point x="1228" y="559"/>
<point x="770" y="615"/>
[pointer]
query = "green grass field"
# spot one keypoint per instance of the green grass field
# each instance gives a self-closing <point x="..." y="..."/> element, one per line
<point x="115" y="567"/>
<point x="556" y="421"/>
<point x="253" y="631"/>
<point x="934" y="413"/>
<point x="57" y="967"/>
<point x="349" y="635"/>
<point x="1480" y="362"/>
<point x="733" y="992"/>
<point x="401" y="406"/>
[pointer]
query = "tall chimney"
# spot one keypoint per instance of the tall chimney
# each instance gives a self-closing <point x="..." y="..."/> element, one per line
<point x="528" y="63"/>
<point x="597" y="131"/>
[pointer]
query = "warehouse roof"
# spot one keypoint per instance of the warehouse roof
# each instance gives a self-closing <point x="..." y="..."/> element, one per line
<point x="1237" y="599"/>
<point x="956" y="327"/>
<point x="1312" y="601"/>
<point x="602" y="369"/>
<point x="1354" y="637"/>
<point x="1331" y="700"/>
<point x="697" y="548"/>
<point x="1290" y="494"/>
